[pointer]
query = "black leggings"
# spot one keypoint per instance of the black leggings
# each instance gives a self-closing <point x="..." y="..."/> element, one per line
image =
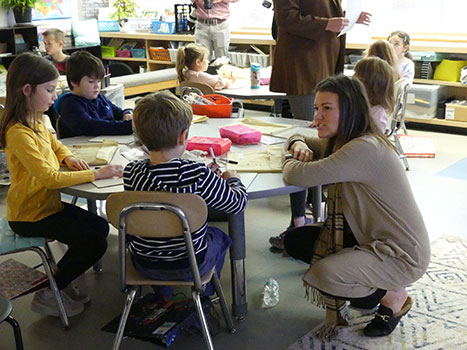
<point x="300" y="242"/>
<point x="84" y="233"/>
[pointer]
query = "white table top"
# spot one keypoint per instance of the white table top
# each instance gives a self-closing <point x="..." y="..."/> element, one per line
<point x="263" y="185"/>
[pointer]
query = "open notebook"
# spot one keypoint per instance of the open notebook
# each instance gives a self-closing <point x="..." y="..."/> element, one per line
<point x="95" y="153"/>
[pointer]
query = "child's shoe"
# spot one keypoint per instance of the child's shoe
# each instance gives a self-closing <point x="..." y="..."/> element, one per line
<point x="44" y="303"/>
<point x="76" y="293"/>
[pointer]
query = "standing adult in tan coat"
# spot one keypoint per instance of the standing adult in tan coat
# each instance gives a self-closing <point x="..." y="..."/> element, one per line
<point x="307" y="49"/>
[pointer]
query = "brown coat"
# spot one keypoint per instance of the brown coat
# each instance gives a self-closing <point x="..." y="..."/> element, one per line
<point x="305" y="53"/>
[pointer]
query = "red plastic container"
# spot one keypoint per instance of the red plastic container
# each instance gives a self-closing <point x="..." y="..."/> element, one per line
<point x="241" y="134"/>
<point x="219" y="145"/>
<point x="221" y="109"/>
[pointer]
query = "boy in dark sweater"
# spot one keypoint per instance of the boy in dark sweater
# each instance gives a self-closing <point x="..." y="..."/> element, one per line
<point x="85" y="111"/>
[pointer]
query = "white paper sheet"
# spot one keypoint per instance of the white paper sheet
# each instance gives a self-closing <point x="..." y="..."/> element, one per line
<point x="114" y="181"/>
<point x="247" y="179"/>
<point x="354" y="8"/>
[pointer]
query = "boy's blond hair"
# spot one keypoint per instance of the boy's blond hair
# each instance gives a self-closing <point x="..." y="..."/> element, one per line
<point x="160" y="118"/>
<point x="57" y="34"/>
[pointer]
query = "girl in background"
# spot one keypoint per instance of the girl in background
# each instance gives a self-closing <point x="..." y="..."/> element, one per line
<point x="385" y="51"/>
<point x="401" y="43"/>
<point x="192" y="63"/>
<point x="34" y="207"/>
<point x="378" y="78"/>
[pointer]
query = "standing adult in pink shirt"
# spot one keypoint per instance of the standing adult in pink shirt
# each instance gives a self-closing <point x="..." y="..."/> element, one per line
<point x="212" y="26"/>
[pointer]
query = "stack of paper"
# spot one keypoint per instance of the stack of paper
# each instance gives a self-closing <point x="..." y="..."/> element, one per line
<point x="95" y="153"/>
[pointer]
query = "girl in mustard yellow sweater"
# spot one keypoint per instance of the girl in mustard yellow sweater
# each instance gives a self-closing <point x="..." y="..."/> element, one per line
<point x="34" y="156"/>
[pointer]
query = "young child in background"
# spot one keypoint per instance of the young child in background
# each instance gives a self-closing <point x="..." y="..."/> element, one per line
<point x="54" y="40"/>
<point x="85" y="111"/>
<point x="34" y="207"/>
<point x="378" y="78"/>
<point x="192" y="63"/>
<point x="385" y="51"/>
<point x="162" y="122"/>
<point x="401" y="43"/>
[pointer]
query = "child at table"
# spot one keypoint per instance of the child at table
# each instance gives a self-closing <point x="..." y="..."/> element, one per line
<point x="53" y="42"/>
<point x="85" y="111"/>
<point x="34" y="157"/>
<point x="401" y="43"/>
<point x="378" y="78"/>
<point x="161" y="123"/>
<point x="192" y="63"/>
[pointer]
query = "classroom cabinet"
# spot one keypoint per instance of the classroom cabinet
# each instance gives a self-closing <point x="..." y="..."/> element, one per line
<point x="15" y="40"/>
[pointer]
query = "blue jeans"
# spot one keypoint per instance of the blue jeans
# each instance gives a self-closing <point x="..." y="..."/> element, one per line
<point x="217" y="244"/>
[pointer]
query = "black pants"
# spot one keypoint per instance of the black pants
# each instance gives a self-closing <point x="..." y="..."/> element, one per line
<point x="300" y="242"/>
<point x="84" y="233"/>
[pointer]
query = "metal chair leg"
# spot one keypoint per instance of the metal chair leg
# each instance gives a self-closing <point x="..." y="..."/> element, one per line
<point x="121" y="327"/>
<point x="225" y="310"/>
<point x="53" y="286"/>
<point x="401" y="152"/>
<point x="202" y="319"/>
<point x="50" y="256"/>
<point x="17" y="332"/>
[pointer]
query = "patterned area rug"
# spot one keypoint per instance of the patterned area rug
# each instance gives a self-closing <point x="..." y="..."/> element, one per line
<point x="437" y="319"/>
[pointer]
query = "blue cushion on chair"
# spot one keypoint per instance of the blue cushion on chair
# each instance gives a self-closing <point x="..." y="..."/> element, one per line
<point x="10" y="241"/>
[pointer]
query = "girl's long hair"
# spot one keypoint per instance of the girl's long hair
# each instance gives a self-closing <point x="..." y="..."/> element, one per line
<point x="385" y="51"/>
<point x="354" y="112"/>
<point x="378" y="78"/>
<point x="30" y="69"/>
<point x="187" y="55"/>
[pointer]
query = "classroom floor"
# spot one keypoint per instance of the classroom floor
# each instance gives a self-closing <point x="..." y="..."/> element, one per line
<point x="441" y="201"/>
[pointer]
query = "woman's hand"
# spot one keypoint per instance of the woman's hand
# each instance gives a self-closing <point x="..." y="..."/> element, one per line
<point x="108" y="171"/>
<point x="301" y="151"/>
<point x="364" y="18"/>
<point x="127" y="116"/>
<point x="336" y="24"/>
<point x="75" y="164"/>
<point x="230" y="173"/>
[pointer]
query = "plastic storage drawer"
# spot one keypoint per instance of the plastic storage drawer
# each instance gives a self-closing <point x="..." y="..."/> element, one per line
<point x="422" y="100"/>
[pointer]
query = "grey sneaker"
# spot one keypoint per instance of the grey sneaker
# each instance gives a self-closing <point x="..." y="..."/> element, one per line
<point x="278" y="241"/>
<point x="44" y="303"/>
<point x="76" y="293"/>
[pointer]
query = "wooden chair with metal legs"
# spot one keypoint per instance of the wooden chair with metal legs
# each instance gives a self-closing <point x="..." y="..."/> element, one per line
<point x="190" y="86"/>
<point x="5" y="315"/>
<point x="397" y="118"/>
<point x="161" y="214"/>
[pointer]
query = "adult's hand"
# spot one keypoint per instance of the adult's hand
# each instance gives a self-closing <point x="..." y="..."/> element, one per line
<point x="301" y="151"/>
<point x="108" y="171"/>
<point x="364" y="18"/>
<point x="336" y="24"/>
<point x="75" y="164"/>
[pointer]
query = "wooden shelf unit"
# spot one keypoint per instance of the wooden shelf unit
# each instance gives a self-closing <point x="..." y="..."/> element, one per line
<point x="267" y="44"/>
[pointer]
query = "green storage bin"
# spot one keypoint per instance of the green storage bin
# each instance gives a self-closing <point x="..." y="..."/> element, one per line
<point x="109" y="51"/>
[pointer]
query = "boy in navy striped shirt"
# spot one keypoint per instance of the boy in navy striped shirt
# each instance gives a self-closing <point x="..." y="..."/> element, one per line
<point x="161" y="122"/>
